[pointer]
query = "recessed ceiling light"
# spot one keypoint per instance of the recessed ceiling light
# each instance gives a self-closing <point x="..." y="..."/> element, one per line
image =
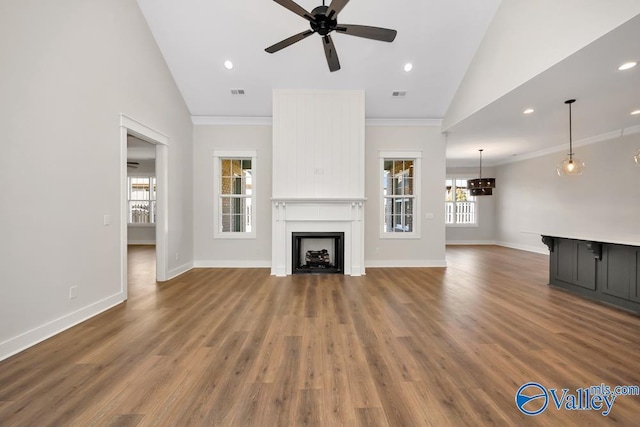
<point x="408" y="67"/>
<point x="635" y="112"/>
<point x="228" y="64"/>
<point x="528" y="111"/>
<point x="627" y="65"/>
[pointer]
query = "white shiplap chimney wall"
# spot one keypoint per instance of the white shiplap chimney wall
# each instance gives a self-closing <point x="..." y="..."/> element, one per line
<point x="318" y="144"/>
<point x="318" y="171"/>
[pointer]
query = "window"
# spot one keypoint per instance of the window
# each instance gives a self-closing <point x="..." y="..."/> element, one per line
<point x="142" y="199"/>
<point x="400" y="189"/>
<point x="235" y="193"/>
<point x="460" y="205"/>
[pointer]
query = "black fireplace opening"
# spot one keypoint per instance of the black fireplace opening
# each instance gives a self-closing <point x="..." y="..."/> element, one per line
<point x="317" y="253"/>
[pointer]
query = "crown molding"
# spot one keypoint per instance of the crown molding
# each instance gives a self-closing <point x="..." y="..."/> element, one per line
<point x="619" y="133"/>
<point x="630" y="130"/>
<point x="231" y="121"/>
<point x="404" y="122"/>
<point x="268" y="121"/>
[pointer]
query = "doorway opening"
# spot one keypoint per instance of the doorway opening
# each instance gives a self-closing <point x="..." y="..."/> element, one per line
<point x="144" y="194"/>
<point x="141" y="210"/>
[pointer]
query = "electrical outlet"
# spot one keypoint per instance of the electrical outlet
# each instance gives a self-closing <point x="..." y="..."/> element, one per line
<point x="106" y="220"/>
<point x="73" y="292"/>
<point x="177" y="256"/>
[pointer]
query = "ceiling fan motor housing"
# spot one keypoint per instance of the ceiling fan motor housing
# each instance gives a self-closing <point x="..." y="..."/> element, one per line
<point x="322" y="24"/>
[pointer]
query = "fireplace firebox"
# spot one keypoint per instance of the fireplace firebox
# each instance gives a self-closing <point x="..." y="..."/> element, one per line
<point x="317" y="253"/>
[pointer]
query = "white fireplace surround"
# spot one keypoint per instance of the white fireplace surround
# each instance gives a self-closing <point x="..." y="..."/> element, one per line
<point x="318" y="172"/>
<point x="293" y="215"/>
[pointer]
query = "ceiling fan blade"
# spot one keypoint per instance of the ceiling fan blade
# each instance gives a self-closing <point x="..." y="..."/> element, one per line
<point x="296" y="8"/>
<point x="335" y="7"/>
<point x="375" y="33"/>
<point x="331" y="54"/>
<point x="289" y="41"/>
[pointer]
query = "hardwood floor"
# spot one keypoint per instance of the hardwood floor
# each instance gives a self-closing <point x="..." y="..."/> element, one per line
<point x="397" y="347"/>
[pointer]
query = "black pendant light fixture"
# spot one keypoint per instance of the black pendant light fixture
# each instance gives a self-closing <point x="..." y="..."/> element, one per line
<point x="481" y="186"/>
<point x="570" y="165"/>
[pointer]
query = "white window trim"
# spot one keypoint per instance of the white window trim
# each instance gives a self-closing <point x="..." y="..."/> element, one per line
<point x="477" y="202"/>
<point x="416" y="156"/>
<point x="246" y="154"/>
<point x="151" y="200"/>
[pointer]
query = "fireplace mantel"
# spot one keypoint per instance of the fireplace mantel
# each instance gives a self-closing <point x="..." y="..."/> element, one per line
<point x="318" y="200"/>
<point x="291" y="215"/>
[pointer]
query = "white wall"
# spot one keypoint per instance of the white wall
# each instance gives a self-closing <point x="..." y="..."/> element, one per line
<point x="147" y="167"/>
<point x="603" y="202"/>
<point x="485" y="231"/>
<point x="210" y="252"/>
<point x="69" y="68"/>
<point x="429" y="249"/>
<point x="527" y="37"/>
<point x="141" y="234"/>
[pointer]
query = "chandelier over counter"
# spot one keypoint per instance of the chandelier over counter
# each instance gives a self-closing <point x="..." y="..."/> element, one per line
<point x="481" y="186"/>
<point x="570" y="165"/>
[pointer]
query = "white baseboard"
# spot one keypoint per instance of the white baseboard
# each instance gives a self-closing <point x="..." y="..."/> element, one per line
<point x="471" y="242"/>
<point x="30" y="338"/>
<point x="175" y="272"/>
<point x="405" y="263"/>
<point x="232" y="264"/>
<point x="527" y="248"/>
<point x="141" y="242"/>
<point x="505" y="244"/>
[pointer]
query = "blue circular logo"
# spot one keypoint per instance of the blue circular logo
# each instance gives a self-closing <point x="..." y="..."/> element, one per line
<point x="532" y="399"/>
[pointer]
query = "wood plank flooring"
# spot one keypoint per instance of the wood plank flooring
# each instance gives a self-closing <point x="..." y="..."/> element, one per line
<point x="397" y="347"/>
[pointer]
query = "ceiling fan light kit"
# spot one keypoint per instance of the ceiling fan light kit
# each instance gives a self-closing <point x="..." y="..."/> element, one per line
<point x="323" y="20"/>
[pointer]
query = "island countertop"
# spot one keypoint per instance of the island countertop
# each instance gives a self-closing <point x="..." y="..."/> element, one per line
<point x="631" y="239"/>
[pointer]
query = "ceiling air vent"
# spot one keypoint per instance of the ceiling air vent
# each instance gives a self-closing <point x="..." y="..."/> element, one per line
<point x="399" y="93"/>
<point x="237" y="91"/>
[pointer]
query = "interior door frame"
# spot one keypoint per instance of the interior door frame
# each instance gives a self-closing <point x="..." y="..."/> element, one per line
<point x="129" y="126"/>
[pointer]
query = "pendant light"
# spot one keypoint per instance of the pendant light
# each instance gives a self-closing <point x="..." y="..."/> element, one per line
<point x="570" y="165"/>
<point x="637" y="157"/>
<point x="481" y="186"/>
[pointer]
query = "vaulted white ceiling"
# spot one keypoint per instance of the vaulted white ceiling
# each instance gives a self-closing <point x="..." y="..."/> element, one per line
<point x="605" y="98"/>
<point x="438" y="37"/>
